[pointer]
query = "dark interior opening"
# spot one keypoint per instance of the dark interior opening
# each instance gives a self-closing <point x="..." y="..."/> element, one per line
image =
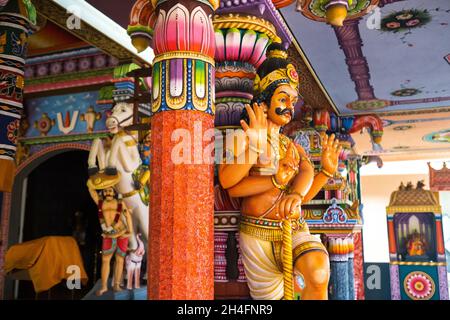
<point x="58" y="203"/>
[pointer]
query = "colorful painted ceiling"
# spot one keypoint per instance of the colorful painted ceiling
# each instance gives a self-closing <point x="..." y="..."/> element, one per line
<point x="396" y="58"/>
<point x="410" y="136"/>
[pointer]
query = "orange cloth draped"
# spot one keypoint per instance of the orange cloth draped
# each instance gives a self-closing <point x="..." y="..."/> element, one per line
<point x="46" y="260"/>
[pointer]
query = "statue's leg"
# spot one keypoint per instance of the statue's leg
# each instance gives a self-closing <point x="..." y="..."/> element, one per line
<point x="130" y="160"/>
<point x="97" y="152"/>
<point x="113" y="153"/>
<point x="133" y="244"/>
<point x="118" y="270"/>
<point x="315" y="268"/>
<point x="119" y="151"/>
<point x="137" y="276"/>
<point x="130" y="273"/>
<point x="141" y="224"/>
<point x="132" y="240"/>
<point x="101" y="156"/>
<point x="106" y="261"/>
<point x="264" y="276"/>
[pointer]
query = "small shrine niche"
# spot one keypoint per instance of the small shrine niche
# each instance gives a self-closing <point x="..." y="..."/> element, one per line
<point x="416" y="245"/>
<point x="414" y="233"/>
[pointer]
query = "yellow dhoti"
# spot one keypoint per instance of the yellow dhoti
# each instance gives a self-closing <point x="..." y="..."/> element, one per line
<point x="261" y="247"/>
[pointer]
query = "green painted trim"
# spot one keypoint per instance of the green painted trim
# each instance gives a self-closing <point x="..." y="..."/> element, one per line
<point x="106" y="93"/>
<point x="66" y="138"/>
<point x="121" y="71"/>
<point x="231" y="99"/>
<point x="139" y="28"/>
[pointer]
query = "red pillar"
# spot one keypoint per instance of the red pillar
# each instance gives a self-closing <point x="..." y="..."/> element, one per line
<point x="439" y="237"/>
<point x="391" y="233"/>
<point x="181" y="242"/>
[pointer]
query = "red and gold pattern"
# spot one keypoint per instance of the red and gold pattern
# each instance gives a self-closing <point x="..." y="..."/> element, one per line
<point x="439" y="179"/>
<point x="13" y="130"/>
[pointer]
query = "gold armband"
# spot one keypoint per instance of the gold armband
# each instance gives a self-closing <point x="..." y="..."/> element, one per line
<point x="277" y="185"/>
<point x="325" y="172"/>
<point x="306" y="159"/>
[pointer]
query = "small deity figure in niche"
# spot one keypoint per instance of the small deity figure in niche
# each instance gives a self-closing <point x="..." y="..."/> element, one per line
<point x="416" y="245"/>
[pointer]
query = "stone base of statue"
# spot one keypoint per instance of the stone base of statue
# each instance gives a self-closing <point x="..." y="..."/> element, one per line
<point x="125" y="294"/>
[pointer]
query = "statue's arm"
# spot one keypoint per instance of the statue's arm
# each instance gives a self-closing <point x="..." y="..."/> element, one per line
<point x="93" y="192"/>
<point x="329" y="162"/>
<point x="250" y="186"/>
<point x="304" y="179"/>
<point x="319" y="181"/>
<point x="129" y="220"/>
<point x="308" y="185"/>
<point x="245" y="156"/>
<point x="230" y="174"/>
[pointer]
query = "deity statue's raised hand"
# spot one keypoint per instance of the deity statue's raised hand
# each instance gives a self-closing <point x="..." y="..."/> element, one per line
<point x="256" y="129"/>
<point x="288" y="166"/>
<point x="330" y="153"/>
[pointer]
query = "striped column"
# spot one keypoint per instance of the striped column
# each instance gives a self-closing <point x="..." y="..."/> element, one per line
<point x="339" y="275"/>
<point x="14" y="31"/>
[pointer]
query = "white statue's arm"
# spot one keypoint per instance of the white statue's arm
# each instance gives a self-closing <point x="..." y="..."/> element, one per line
<point x="127" y="213"/>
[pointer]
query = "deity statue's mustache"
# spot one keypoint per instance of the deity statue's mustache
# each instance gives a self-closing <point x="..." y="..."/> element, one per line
<point x="280" y="111"/>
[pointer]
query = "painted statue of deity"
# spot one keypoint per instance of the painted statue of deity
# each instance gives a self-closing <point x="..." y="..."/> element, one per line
<point x="117" y="228"/>
<point x="274" y="176"/>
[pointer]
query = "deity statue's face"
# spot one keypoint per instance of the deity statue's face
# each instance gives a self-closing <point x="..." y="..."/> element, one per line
<point x="281" y="109"/>
<point x="109" y="193"/>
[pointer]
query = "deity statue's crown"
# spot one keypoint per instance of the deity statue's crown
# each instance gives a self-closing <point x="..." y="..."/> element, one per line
<point x="278" y="76"/>
<point x="277" y="54"/>
<point x="286" y="75"/>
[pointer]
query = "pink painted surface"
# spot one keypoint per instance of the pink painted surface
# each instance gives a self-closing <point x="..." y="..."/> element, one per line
<point x="181" y="30"/>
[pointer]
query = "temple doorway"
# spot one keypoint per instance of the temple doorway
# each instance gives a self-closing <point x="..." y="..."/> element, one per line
<point x="57" y="203"/>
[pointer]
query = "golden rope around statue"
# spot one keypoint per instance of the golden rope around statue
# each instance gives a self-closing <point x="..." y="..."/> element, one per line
<point x="288" y="268"/>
